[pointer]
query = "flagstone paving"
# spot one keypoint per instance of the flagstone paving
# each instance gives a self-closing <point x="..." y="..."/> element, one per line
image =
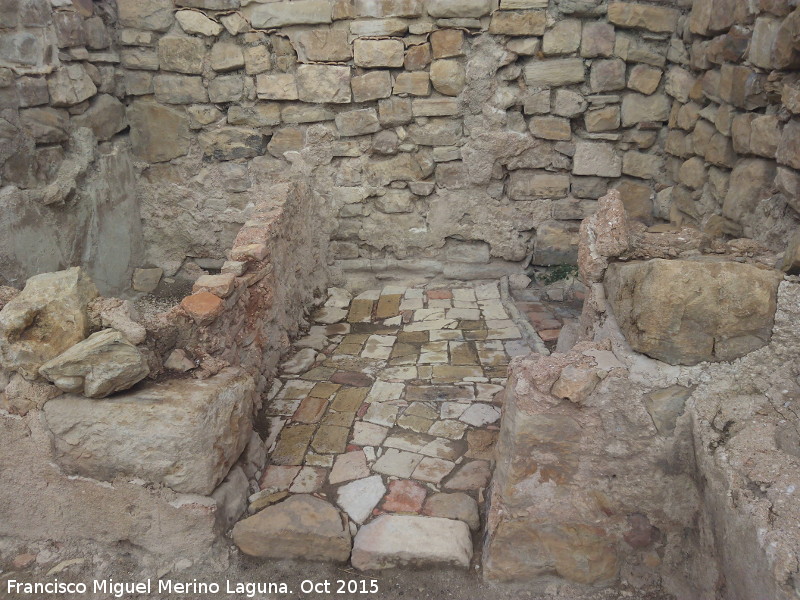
<point x="392" y="402"/>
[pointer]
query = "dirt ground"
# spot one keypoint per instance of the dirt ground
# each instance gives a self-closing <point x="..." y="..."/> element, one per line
<point x="395" y="584"/>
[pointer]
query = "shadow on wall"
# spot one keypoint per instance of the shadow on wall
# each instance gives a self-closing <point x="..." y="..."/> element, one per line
<point x="97" y="226"/>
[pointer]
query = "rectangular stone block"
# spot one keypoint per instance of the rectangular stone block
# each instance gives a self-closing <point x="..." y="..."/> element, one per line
<point x="371" y="86"/>
<point x="435" y="107"/>
<point x="596" y="158"/>
<point x="414" y="84"/>
<point x="518" y="23"/>
<point x="276" y="87"/>
<point x="358" y="122"/>
<point x="281" y="14"/>
<point x="553" y="73"/>
<point x="659" y="19"/>
<point x="388" y="8"/>
<point x="323" y="83"/>
<point x="184" y="433"/>
<point x="378" y="53"/>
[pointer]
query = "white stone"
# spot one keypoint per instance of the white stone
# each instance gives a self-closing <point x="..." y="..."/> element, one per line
<point x="480" y="414"/>
<point x="359" y="497"/>
<point x="300" y="362"/>
<point x="395" y="540"/>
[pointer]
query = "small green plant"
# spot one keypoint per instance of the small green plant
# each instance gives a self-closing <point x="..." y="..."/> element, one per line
<point x="558" y="273"/>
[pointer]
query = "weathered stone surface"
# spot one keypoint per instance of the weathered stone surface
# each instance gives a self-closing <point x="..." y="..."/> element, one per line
<point x="105" y="117"/>
<point x="448" y="77"/>
<point x="393" y="541"/>
<point x="659" y="19"/>
<point x="281" y="14"/>
<point x="226" y="56"/>
<point x="276" y="87"/>
<point x="525" y="184"/>
<point x="70" y="85"/>
<point x="322" y="45"/>
<point x="231" y="143"/>
<point x="183" y="433"/>
<point x="45" y="319"/>
<point x="321" y="83"/>
<point x="555" y="72"/>
<point x="100" y="365"/>
<point x="179" y="89"/>
<point x="597" y="39"/>
<point x="517" y="23"/>
<point x="637" y="108"/>
<point x="607" y="75"/>
<point x="415" y="84"/>
<point x="596" y="158"/>
<point x="788" y="152"/>
<point x="556" y="243"/>
<point x="458" y="8"/>
<point x="750" y="179"/>
<point x="563" y="38"/>
<point x="358" y="122"/>
<point x="447" y="43"/>
<point x="692" y="311"/>
<point x="791" y="257"/>
<point x="46" y="125"/>
<point x="457" y="505"/>
<point x="152" y="15"/>
<point x="158" y="133"/>
<point x="665" y="406"/>
<point x="371" y="86"/>
<point x="300" y="527"/>
<point x="359" y="497"/>
<point x="192" y="21"/>
<point x="644" y="79"/>
<point x="389" y="8"/>
<point x="181" y="54"/>
<point x="378" y="53"/>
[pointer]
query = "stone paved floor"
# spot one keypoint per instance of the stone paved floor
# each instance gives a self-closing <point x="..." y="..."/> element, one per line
<point x="391" y="403"/>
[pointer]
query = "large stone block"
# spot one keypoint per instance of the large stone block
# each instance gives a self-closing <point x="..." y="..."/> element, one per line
<point x="281" y="14"/>
<point x="45" y="319"/>
<point x="231" y="143"/>
<point x="556" y="72"/>
<point x="448" y="77"/>
<point x="394" y="540"/>
<point x="596" y="158"/>
<point x="181" y="54"/>
<point x="158" y="133"/>
<point x="323" y="83"/>
<point x="357" y="122"/>
<point x="685" y="311"/>
<point x="750" y="181"/>
<point x="179" y="89"/>
<point x="100" y="365"/>
<point x="378" y="53"/>
<point x="152" y="15"/>
<point x="556" y="243"/>
<point x="70" y="85"/>
<point x="525" y="184"/>
<point x="638" y="108"/>
<point x="659" y="19"/>
<point x="183" y="433"/>
<point x="300" y="527"/>
<point x="518" y="23"/>
<point x="789" y="147"/>
<point x="444" y="9"/>
<point x="105" y="117"/>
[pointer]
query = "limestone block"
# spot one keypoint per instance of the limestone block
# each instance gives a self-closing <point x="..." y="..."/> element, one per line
<point x="146" y="280"/>
<point x="32" y="91"/>
<point x="418" y="57"/>
<point x="358" y="122"/>
<point x="282" y="14"/>
<point x="139" y="58"/>
<point x="742" y="86"/>
<point x="597" y="39"/>
<point x="711" y="16"/>
<point x="448" y="77"/>
<point x="435" y="107"/>
<point x="226" y="56"/>
<point x="194" y="22"/>
<point x="276" y="87"/>
<point x="305" y="113"/>
<point x="638" y="108"/>
<point x="151" y="15"/>
<point x="158" y="133"/>
<point x="378" y="27"/>
<point x="378" y="53"/>
<point x="183" y="433"/>
<point x="46" y="125"/>
<point x="179" y="89"/>
<point x="300" y="527"/>
<point x="602" y="119"/>
<point x="70" y="85"/>
<point x="518" y="23"/>
<point x="393" y="541"/>
<point x="765" y="135"/>
<point x="105" y="117"/>
<point x="762" y="43"/>
<point x="596" y="158"/>
<point x="750" y="181"/>
<point x="257" y="59"/>
<point x="555" y="72"/>
<point x="388" y="8"/>
<point x="567" y="103"/>
<point x="444" y="9"/>
<point x="226" y="88"/>
<point x="785" y="50"/>
<point x="526" y="184"/>
<point x="395" y="111"/>
<point x="659" y="19"/>
<point x="719" y="151"/>
<point x="286" y="139"/>
<point x="556" y="243"/>
<point x="318" y="45"/>
<point x="607" y="75"/>
<point x="181" y="54"/>
<point x="69" y="29"/>
<point x="447" y="43"/>
<point x="100" y="365"/>
<point x="260" y="115"/>
<point x="414" y="84"/>
<point x="550" y="128"/>
<point x="644" y="79"/>
<point x="563" y="38"/>
<point x="45" y="319"/>
<point x="323" y="83"/>
<point x="637" y="199"/>
<point x="631" y="48"/>
<point x="789" y="147"/>
<point x="685" y="312"/>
